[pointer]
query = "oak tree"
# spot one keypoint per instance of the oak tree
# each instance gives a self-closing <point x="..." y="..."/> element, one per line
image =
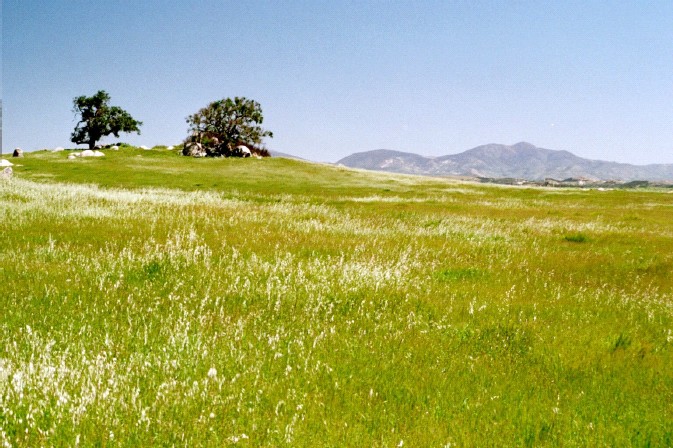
<point x="98" y="119"/>
<point x="227" y="123"/>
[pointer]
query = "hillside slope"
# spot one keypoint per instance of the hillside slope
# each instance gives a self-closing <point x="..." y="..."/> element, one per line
<point x="282" y="303"/>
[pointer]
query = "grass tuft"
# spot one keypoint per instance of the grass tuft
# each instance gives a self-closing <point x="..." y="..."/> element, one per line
<point x="576" y="238"/>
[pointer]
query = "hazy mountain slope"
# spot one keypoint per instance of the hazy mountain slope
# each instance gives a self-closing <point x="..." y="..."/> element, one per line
<point x="522" y="160"/>
<point x="284" y="155"/>
<point x="387" y="160"/>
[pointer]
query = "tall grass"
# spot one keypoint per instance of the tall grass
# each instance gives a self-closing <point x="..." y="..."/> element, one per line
<point x="349" y="310"/>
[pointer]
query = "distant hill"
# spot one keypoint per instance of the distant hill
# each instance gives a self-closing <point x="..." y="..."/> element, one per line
<point x="284" y="155"/>
<point x="522" y="160"/>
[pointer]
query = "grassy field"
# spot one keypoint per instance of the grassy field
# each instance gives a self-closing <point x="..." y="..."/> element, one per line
<point x="148" y="299"/>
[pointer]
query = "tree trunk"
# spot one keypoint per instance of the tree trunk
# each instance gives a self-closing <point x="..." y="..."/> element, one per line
<point x="92" y="144"/>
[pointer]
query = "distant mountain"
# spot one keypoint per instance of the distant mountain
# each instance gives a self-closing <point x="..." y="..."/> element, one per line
<point x="523" y="161"/>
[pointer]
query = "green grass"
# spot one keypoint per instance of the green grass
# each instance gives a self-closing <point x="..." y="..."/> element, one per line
<point x="149" y="299"/>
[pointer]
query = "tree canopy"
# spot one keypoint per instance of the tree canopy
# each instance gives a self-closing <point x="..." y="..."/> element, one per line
<point x="226" y="123"/>
<point x="98" y="119"/>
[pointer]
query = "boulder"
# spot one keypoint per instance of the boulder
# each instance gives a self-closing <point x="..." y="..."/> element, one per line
<point x="241" y="151"/>
<point x="171" y="148"/>
<point x="87" y="153"/>
<point x="193" y="149"/>
<point x="4" y="162"/>
<point x="18" y="152"/>
<point x="114" y="148"/>
<point x="72" y="157"/>
<point x="58" y="149"/>
<point x="143" y="147"/>
<point x="6" y="173"/>
<point x="98" y="154"/>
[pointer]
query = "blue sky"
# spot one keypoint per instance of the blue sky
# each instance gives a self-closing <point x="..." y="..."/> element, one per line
<point x="335" y="77"/>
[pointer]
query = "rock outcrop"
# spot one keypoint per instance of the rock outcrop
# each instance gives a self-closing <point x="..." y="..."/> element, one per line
<point x="193" y="149"/>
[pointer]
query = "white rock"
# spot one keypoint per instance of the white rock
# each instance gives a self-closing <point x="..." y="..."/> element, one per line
<point x="143" y="147"/>
<point x="58" y="149"/>
<point x="114" y="148"/>
<point x="72" y="157"/>
<point x="98" y="154"/>
<point x="243" y="151"/>
<point x="77" y="154"/>
<point x="171" y="148"/>
<point x="4" y="162"/>
<point x="87" y="153"/>
<point x="193" y="149"/>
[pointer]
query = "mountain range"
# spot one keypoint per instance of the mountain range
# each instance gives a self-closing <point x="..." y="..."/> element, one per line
<point x="522" y="160"/>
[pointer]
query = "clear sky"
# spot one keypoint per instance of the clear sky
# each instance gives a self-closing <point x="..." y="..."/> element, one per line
<point x="335" y="77"/>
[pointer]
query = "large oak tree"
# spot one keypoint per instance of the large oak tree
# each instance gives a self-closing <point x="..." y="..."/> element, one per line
<point x="230" y="122"/>
<point x="98" y="119"/>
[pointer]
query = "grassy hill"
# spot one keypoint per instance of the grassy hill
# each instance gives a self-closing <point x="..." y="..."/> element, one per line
<point x="153" y="299"/>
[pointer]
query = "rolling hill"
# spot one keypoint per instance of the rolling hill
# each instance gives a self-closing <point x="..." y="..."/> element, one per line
<point x="152" y="299"/>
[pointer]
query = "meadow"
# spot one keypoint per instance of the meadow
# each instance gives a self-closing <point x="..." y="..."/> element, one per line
<point x="149" y="299"/>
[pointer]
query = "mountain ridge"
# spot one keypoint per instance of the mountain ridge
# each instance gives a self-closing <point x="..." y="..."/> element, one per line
<point x="522" y="160"/>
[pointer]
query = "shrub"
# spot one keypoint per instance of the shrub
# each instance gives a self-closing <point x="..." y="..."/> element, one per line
<point x="576" y="238"/>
